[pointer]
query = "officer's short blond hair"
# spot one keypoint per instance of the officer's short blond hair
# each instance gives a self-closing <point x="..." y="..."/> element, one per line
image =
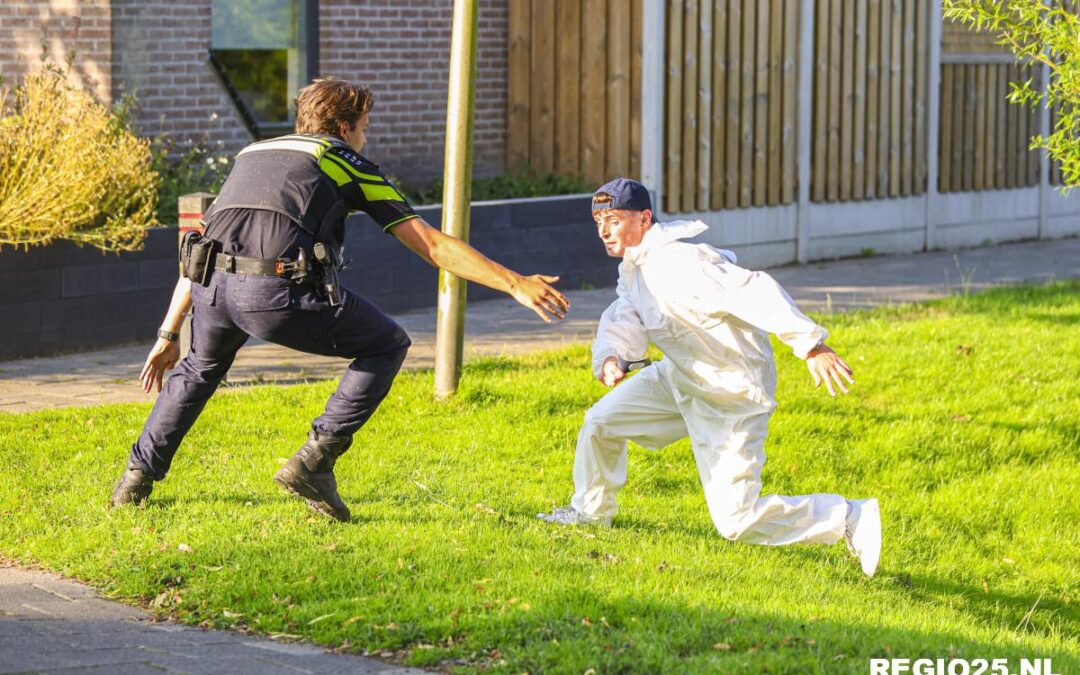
<point x="325" y="103"/>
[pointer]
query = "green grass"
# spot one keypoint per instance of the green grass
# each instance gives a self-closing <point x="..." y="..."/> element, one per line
<point x="963" y="422"/>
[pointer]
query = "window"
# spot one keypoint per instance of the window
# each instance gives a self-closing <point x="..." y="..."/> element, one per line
<point x="264" y="51"/>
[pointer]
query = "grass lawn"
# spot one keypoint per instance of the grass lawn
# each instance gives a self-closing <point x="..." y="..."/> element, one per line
<point x="964" y="422"/>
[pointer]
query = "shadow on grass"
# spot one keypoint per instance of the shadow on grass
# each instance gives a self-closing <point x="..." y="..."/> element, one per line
<point x="578" y="631"/>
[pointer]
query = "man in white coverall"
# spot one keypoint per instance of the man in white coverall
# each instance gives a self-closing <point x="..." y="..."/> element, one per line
<point x="711" y="319"/>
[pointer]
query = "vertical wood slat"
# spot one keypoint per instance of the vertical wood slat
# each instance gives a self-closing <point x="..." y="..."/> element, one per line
<point x="884" y="98"/>
<point x="689" y="105"/>
<point x="673" y="140"/>
<point x="873" y="70"/>
<point x="1001" y="131"/>
<point x="1033" y="130"/>
<point x="978" y="158"/>
<point x="542" y="92"/>
<point x="734" y="79"/>
<point x="704" y="103"/>
<point x="990" y="138"/>
<point x="847" y="99"/>
<point x="945" y="130"/>
<point x="858" y="159"/>
<point x="957" y="152"/>
<point x="1011" y="130"/>
<point x="717" y="165"/>
<point x="821" y="101"/>
<point x="593" y="98"/>
<point x="1021" y="136"/>
<point x="896" y="81"/>
<point x="969" y="128"/>
<point x="567" y="86"/>
<point x="775" y="39"/>
<point x="832" y="152"/>
<point x="746" y="113"/>
<point x="518" y="72"/>
<point x="636" y="66"/>
<point x="617" y="125"/>
<point x="761" y="104"/>
<point x="907" y="97"/>
<point x="788" y="183"/>
<point x="921" y="94"/>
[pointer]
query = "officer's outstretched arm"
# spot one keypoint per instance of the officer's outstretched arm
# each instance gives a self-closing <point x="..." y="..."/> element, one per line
<point x="164" y="354"/>
<point x="457" y="257"/>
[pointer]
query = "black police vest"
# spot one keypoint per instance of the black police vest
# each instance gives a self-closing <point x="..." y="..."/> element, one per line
<point x="283" y="175"/>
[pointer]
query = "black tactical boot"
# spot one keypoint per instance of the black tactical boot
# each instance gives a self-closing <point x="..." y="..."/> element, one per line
<point x="134" y="487"/>
<point x="310" y="474"/>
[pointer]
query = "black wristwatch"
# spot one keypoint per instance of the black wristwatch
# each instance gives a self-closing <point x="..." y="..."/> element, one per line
<point x="168" y="335"/>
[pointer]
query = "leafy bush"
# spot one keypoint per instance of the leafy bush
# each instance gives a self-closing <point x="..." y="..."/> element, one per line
<point x="185" y="168"/>
<point x="521" y="182"/>
<point x="71" y="168"/>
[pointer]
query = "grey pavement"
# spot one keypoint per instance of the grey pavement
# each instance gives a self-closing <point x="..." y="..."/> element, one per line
<point x="53" y="625"/>
<point x="48" y="624"/>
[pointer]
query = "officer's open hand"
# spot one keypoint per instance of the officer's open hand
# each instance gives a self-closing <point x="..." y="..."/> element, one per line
<point x="162" y="357"/>
<point x="610" y="373"/>
<point x="826" y="366"/>
<point x="537" y="293"/>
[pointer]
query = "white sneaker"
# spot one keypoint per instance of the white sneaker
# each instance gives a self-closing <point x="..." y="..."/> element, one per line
<point x="568" y="515"/>
<point x="863" y="533"/>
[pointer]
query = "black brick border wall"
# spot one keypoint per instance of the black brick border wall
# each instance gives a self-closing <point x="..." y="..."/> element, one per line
<point x="65" y="298"/>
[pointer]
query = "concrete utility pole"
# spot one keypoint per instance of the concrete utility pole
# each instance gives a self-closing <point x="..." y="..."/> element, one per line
<point x="457" y="194"/>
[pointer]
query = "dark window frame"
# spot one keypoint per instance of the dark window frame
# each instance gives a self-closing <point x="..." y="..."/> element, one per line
<point x="310" y="39"/>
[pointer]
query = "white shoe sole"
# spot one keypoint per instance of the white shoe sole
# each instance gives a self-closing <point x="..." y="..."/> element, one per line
<point x="867" y="536"/>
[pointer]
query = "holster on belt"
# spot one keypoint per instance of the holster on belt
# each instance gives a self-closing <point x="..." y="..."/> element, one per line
<point x="196" y="253"/>
<point x="329" y="281"/>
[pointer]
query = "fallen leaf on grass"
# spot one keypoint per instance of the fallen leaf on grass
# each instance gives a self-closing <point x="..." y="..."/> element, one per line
<point x="722" y="646"/>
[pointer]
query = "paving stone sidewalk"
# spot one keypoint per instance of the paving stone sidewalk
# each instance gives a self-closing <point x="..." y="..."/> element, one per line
<point x="53" y="625"/>
<point x="49" y="624"/>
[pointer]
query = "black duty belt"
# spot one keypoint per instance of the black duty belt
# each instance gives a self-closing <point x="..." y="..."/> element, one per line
<point x="264" y="267"/>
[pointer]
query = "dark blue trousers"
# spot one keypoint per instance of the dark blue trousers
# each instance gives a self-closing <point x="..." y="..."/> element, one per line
<point x="235" y="306"/>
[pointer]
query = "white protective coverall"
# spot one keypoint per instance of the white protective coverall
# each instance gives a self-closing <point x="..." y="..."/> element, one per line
<point x="711" y="319"/>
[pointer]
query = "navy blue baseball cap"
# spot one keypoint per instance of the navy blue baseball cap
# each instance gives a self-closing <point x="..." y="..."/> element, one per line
<point x="622" y="193"/>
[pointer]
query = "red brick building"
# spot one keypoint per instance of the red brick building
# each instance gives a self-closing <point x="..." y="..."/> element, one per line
<point x="180" y="58"/>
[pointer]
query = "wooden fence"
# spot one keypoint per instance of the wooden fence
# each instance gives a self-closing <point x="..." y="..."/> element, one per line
<point x="574" y="87"/>
<point x="983" y="138"/>
<point x="730" y="104"/>
<point x="869" y="92"/>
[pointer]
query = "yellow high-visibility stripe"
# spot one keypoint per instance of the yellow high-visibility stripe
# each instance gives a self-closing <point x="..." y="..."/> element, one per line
<point x="334" y="171"/>
<point x="377" y="193"/>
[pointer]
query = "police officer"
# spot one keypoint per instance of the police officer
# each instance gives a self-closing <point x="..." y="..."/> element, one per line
<point x="267" y="267"/>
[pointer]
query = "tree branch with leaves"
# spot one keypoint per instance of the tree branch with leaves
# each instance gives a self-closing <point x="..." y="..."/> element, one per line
<point x="1046" y="32"/>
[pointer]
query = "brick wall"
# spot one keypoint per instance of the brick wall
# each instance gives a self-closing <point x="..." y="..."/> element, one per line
<point x="401" y="48"/>
<point x="26" y="26"/>
<point x="160" y="55"/>
<point x="157" y="50"/>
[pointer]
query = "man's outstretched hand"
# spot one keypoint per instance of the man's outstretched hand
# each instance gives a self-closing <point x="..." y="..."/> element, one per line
<point x="537" y="293"/>
<point x="826" y="366"/>
<point x="163" y="356"/>
<point x="610" y="373"/>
